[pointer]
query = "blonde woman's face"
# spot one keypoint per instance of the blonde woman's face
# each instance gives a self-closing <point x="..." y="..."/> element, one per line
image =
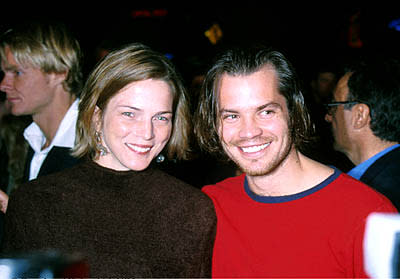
<point x="136" y="125"/>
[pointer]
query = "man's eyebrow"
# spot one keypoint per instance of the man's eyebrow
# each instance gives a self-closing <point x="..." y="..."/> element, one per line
<point x="227" y="111"/>
<point x="9" y="67"/>
<point x="272" y="104"/>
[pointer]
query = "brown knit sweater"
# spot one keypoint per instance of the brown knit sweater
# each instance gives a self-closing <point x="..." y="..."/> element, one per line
<point x="126" y="224"/>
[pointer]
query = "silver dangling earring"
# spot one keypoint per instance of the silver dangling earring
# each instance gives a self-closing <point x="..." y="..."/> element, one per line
<point x="103" y="150"/>
<point x="160" y="158"/>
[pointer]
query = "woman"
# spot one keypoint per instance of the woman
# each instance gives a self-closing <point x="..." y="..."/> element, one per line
<point x="126" y="218"/>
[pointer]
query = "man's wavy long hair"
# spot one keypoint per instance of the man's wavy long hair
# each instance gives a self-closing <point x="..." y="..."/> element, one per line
<point x="242" y="62"/>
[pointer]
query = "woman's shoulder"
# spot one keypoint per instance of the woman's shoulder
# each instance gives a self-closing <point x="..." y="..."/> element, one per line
<point x="173" y="183"/>
<point x="177" y="190"/>
<point x="49" y="183"/>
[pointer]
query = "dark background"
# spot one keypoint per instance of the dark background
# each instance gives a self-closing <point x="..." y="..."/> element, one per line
<point x="307" y="35"/>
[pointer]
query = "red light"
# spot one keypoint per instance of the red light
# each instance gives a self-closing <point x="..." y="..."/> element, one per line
<point x="149" y="13"/>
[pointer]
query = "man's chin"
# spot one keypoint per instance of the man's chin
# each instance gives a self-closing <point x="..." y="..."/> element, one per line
<point x="255" y="171"/>
<point x="17" y="110"/>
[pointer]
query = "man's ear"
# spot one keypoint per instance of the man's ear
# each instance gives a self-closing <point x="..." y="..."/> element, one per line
<point x="361" y="116"/>
<point x="58" y="78"/>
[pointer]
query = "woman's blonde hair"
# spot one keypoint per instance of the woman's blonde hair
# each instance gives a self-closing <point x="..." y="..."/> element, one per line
<point x="132" y="63"/>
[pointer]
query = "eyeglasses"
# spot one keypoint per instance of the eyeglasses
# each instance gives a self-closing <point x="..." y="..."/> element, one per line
<point x="331" y="107"/>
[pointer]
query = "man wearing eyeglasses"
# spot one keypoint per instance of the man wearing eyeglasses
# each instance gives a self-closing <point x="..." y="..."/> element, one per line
<point x="365" y="119"/>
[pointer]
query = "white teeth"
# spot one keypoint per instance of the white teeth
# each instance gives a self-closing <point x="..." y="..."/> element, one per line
<point x="254" y="148"/>
<point x="139" y="149"/>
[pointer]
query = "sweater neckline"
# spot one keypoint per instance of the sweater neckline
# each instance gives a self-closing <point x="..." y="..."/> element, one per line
<point x="288" y="198"/>
<point x="92" y="164"/>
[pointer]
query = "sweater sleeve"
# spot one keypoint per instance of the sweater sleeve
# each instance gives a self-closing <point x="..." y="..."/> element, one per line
<point x="206" y="245"/>
<point x="194" y="237"/>
<point x="16" y="219"/>
<point x="25" y="225"/>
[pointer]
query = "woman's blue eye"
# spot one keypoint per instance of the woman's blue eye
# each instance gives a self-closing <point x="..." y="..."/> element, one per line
<point x="162" y="118"/>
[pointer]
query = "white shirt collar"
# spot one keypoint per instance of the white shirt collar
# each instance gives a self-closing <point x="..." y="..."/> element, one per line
<point x="65" y="136"/>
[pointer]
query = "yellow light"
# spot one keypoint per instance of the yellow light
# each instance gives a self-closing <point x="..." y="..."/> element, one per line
<point x="214" y="34"/>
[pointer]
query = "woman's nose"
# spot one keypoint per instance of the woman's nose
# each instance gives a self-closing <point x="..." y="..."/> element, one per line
<point x="145" y="129"/>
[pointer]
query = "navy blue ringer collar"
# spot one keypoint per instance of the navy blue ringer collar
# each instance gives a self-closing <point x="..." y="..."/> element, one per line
<point x="280" y="199"/>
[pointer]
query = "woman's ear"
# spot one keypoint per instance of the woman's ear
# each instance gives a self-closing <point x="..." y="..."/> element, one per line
<point x="97" y="117"/>
<point x="361" y="116"/>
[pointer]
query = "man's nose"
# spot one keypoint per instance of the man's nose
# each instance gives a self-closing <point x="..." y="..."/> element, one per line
<point x="249" y="129"/>
<point x="6" y="83"/>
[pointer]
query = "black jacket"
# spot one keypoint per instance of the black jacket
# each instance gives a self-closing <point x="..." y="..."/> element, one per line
<point x="59" y="158"/>
<point x="384" y="176"/>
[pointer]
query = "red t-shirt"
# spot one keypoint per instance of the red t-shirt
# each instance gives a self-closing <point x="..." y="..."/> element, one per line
<point x="315" y="233"/>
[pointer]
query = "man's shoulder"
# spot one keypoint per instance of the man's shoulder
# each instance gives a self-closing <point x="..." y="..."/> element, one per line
<point x="387" y="167"/>
<point x="227" y="185"/>
<point x="64" y="176"/>
<point x="62" y="152"/>
<point x="58" y="159"/>
<point x="356" y="193"/>
<point x="345" y="183"/>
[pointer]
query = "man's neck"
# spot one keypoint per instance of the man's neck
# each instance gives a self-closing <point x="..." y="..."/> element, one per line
<point x="372" y="149"/>
<point x="50" y="118"/>
<point x="296" y="174"/>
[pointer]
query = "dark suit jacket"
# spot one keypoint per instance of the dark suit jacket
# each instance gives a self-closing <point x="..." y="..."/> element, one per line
<point x="384" y="176"/>
<point x="59" y="158"/>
